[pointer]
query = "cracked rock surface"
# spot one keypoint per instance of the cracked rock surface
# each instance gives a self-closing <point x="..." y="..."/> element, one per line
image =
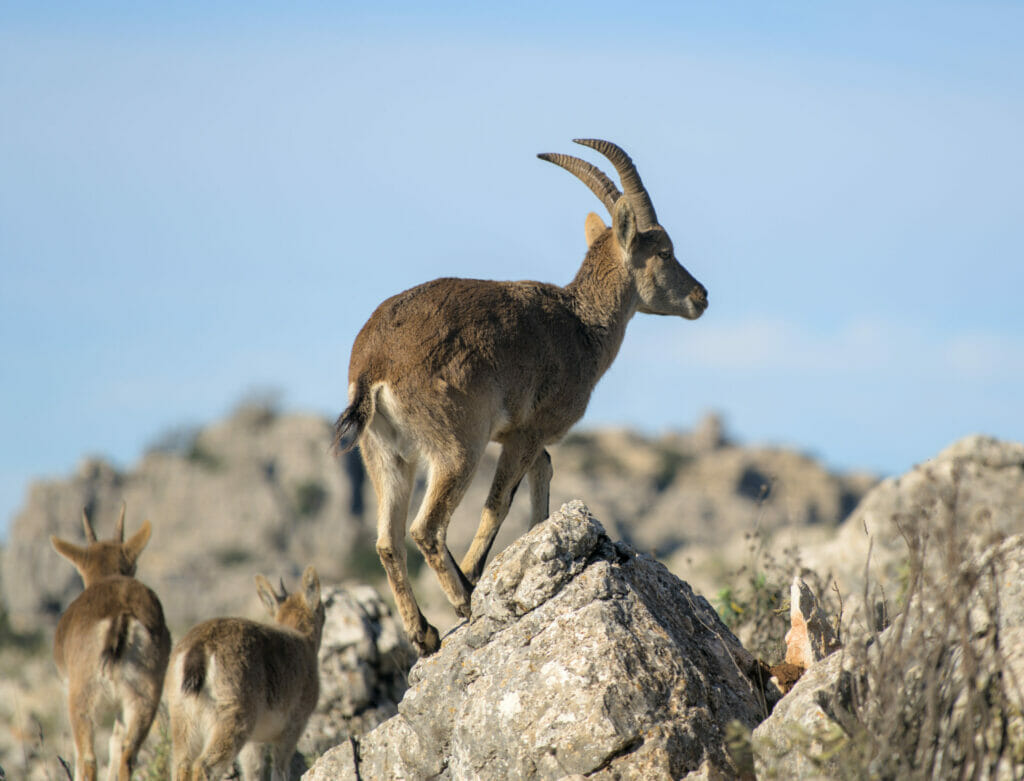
<point x="582" y="657"/>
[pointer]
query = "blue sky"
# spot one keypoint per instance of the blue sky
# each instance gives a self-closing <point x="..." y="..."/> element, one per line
<point x="197" y="202"/>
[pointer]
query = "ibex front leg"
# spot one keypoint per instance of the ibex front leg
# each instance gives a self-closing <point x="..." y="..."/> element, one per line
<point x="517" y="456"/>
<point x="540" y="488"/>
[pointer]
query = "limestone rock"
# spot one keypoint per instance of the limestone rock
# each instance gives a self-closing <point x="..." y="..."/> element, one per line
<point x="973" y="490"/>
<point x="811" y="636"/>
<point x="737" y="489"/>
<point x="337" y="764"/>
<point x="262" y="492"/>
<point x="935" y="695"/>
<point x="796" y="740"/>
<point x="581" y="657"/>
<point x="246" y="495"/>
<point x="364" y="659"/>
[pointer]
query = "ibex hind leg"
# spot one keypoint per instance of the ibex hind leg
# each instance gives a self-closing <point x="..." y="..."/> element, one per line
<point x="251" y="761"/>
<point x="230" y="733"/>
<point x="517" y="456"/>
<point x="282" y="750"/>
<point x="81" y="726"/>
<point x="186" y="741"/>
<point x="447" y="481"/>
<point x="393" y="479"/>
<point x="129" y="736"/>
<point x="115" y="752"/>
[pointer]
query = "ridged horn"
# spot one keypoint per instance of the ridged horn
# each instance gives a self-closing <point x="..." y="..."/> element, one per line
<point x="119" y="529"/>
<point x="631" y="185"/>
<point x="90" y="534"/>
<point x="592" y="176"/>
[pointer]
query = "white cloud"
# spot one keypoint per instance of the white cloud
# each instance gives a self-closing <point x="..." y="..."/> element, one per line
<point x="985" y="354"/>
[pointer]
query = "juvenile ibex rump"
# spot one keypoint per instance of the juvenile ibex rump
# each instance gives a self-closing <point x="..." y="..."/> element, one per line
<point x="112" y="647"/>
<point x="445" y="367"/>
<point x="237" y="684"/>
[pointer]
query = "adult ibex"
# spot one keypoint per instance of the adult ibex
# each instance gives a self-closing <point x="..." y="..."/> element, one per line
<point x="445" y="367"/>
<point x="112" y="647"/>
<point x="236" y="685"/>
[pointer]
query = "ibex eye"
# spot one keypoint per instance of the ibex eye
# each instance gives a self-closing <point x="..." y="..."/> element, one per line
<point x="665" y="254"/>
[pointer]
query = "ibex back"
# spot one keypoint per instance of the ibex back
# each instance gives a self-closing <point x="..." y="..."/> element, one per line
<point x="445" y="367"/>
<point x="112" y="647"/>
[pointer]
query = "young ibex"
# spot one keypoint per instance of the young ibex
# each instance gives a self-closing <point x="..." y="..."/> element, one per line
<point x="111" y="647"/>
<point x="236" y="684"/>
<point x="445" y="367"/>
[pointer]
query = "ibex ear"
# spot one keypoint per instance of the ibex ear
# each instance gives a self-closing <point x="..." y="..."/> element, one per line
<point x="137" y="542"/>
<point x="267" y="595"/>
<point x="311" y="587"/>
<point x="593" y="227"/>
<point x="68" y="550"/>
<point x="624" y="224"/>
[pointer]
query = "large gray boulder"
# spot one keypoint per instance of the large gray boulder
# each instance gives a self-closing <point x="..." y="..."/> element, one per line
<point x="582" y="657"/>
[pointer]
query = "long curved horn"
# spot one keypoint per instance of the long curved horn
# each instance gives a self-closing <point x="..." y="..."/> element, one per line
<point x="592" y="176"/>
<point x="90" y="535"/>
<point x="631" y="184"/>
<point x="119" y="529"/>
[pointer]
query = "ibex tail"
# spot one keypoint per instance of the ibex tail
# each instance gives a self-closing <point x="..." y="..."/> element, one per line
<point x="193" y="674"/>
<point x="116" y="639"/>
<point x="353" y="420"/>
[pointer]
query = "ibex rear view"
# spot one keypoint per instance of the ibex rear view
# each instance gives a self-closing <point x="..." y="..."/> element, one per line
<point x="445" y="367"/>
<point x="237" y="686"/>
<point x="112" y="647"/>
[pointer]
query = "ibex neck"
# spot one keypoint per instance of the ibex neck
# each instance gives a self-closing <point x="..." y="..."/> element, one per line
<point x="605" y="297"/>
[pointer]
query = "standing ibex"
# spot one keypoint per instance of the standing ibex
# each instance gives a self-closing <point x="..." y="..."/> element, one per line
<point x="112" y="647"/>
<point x="238" y="684"/>
<point x="445" y="367"/>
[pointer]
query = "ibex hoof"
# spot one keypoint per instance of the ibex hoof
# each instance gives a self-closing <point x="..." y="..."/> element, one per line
<point x="463" y="611"/>
<point x="427" y="641"/>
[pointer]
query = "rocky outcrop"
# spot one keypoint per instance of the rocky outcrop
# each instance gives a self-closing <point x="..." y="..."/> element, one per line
<point x="364" y="659"/>
<point x="972" y="491"/>
<point x="935" y="695"/>
<point x="262" y="492"/>
<point x="250" y="494"/>
<point x="582" y="657"/>
<point x="811" y="636"/>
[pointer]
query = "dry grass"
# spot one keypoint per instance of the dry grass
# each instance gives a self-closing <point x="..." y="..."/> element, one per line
<point x="756" y="604"/>
<point x="932" y="697"/>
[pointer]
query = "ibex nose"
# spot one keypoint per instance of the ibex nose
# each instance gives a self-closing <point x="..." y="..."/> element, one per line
<point x="699" y="295"/>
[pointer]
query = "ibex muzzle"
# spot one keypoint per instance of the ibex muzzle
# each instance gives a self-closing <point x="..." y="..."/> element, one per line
<point x="445" y="367"/>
